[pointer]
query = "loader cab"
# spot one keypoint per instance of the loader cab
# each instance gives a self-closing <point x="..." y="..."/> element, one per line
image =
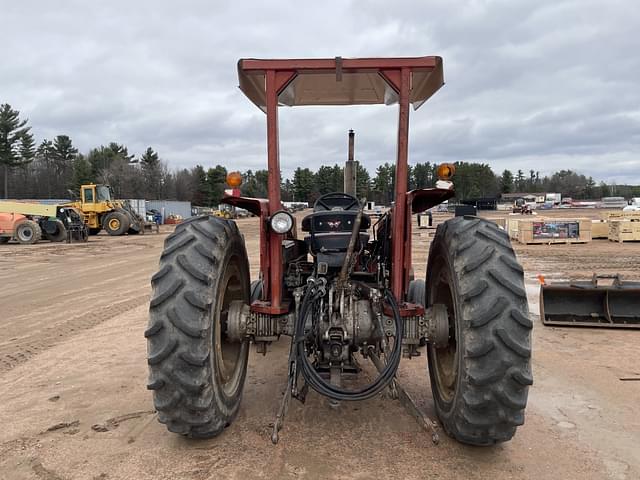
<point x="96" y="198"/>
<point x="96" y="193"/>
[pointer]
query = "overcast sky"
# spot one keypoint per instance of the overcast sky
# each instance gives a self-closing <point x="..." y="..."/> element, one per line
<point x="540" y="85"/>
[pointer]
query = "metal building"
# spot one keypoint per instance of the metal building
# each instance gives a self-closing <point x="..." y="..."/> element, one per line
<point x="170" y="207"/>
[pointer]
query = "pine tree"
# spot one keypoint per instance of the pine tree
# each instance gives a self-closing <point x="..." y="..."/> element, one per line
<point x="303" y="184"/>
<point x="262" y="183"/>
<point x="520" y="185"/>
<point x="324" y="181"/>
<point x="44" y="154"/>
<point x="12" y="132"/>
<point x="422" y="175"/>
<point x="81" y="173"/>
<point x="199" y="187"/>
<point x="531" y="187"/>
<point x="27" y="148"/>
<point x="363" y="182"/>
<point x="152" y="173"/>
<point x="506" y="182"/>
<point x="216" y="184"/>
<point x="63" y="154"/>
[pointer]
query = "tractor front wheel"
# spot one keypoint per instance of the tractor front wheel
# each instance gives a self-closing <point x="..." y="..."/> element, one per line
<point x="480" y="378"/>
<point x="196" y="372"/>
<point x="116" y="223"/>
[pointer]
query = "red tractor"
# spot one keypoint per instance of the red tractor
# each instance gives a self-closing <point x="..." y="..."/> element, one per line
<point x="345" y="291"/>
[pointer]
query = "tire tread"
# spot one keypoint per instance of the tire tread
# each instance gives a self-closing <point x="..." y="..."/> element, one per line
<point x="179" y="331"/>
<point x="496" y="342"/>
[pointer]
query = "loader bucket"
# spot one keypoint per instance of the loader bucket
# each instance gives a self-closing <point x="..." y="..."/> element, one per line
<point x="589" y="304"/>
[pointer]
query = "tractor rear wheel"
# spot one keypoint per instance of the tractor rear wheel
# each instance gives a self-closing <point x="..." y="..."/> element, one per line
<point x="196" y="373"/>
<point x="28" y="232"/>
<point x="480" y="379"/>
<point x="116" y="223"/>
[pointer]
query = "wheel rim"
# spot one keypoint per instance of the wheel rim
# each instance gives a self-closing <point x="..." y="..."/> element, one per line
<point x="445" y="359"/>
<point x="114" y="224"/>
<point x="25" y="234"/>
<point x="230" y="356"/>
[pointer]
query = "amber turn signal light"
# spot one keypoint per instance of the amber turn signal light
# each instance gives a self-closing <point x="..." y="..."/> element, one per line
<point x="234" y="179"/>
<point x="446" y="171"/>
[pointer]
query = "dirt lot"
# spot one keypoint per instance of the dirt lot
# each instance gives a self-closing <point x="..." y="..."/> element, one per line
<point x="74" y="403"/>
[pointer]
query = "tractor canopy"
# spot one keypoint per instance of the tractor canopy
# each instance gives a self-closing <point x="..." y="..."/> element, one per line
<point x="341" y="81"/>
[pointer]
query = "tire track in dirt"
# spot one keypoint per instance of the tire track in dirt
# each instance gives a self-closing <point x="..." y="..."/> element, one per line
<point x="20" y="351"/>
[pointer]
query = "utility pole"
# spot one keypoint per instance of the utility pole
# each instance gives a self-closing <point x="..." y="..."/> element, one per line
<point x="350" y="169"/>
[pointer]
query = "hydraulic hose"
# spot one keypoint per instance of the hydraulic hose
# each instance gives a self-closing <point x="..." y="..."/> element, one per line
<point x="320" y="385"/>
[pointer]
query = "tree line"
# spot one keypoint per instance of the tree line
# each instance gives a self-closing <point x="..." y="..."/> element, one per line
<point x="569" y="183"/>
<point x="56" y="169"/>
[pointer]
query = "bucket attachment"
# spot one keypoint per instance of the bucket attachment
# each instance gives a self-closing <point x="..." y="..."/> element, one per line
<point x="587" y="304"/>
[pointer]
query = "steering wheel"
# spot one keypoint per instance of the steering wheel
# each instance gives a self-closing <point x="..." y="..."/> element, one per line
<point x="325" y="201"/>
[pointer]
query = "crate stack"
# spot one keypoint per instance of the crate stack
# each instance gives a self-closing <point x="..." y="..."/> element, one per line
<point x="624" y="227"/>
<point x="574" y="230"/>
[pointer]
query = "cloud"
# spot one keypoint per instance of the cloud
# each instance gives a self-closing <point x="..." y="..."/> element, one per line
<point x="530" y="85"/>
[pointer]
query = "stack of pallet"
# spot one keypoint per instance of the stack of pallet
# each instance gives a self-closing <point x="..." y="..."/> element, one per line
<point x="617" y="226"/>
<point x="574" y="230"/>
<point x="599" y="229"/>
<point x="545" y="231"/>
<point x="624" y="229"/>
<point x="511" y="226"/>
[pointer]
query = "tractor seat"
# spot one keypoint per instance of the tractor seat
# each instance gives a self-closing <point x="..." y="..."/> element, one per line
<point x="330" y="226"/>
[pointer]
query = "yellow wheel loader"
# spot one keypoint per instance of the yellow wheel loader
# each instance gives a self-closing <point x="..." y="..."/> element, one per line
<point x="116" y="217"/>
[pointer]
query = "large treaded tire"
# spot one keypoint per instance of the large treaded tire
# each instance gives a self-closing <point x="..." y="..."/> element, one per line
<point x="480" y="391"/>
<point x="60" y="234"/>
<point x="116" y="223"/>
<point x="202" y="268"/>
<point x="28" y="232"/>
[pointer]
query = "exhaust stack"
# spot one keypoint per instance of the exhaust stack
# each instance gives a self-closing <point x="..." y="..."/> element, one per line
<point x="350" y="168"/>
